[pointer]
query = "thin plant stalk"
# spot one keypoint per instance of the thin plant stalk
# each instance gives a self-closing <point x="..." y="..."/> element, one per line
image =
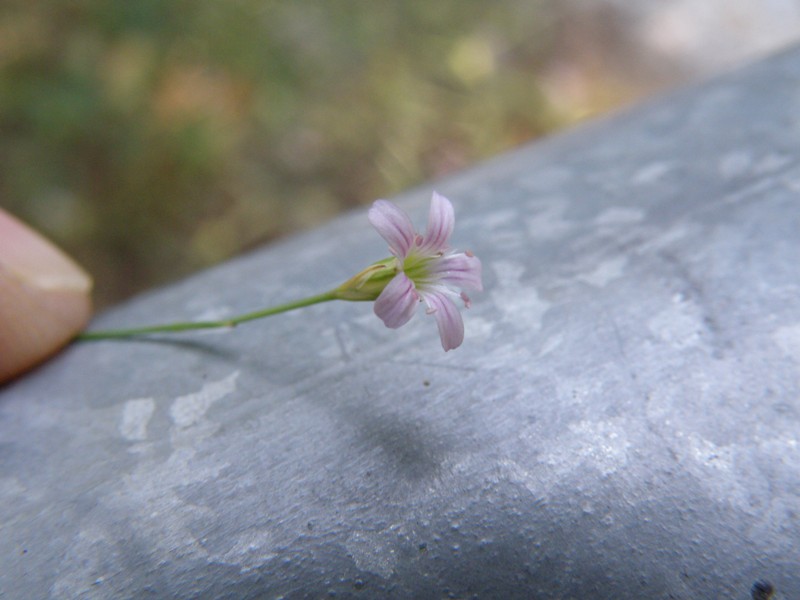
<point x="108" y="334"/>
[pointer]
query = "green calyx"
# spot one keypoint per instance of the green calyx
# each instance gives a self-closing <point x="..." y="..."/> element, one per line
<point x="369" y="283"/>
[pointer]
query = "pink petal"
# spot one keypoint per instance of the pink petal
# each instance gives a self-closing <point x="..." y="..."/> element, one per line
<point x="458" y="270"/>
<point x="451" y="326"/>
<point x="441" y="220"/>
<point x="393" y="225"/>
<point x="396" y="303"/>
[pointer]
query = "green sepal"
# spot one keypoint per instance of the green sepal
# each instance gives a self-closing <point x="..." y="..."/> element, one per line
<point x="369" y="283"/>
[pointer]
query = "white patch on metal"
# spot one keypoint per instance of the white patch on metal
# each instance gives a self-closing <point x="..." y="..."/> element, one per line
<point x="371" y="551"/>
<point x="619" y="215"/>
<point x="606" y="272"/>
<point x="788" y="339"/>
<point x="190" y="409"/>
<point x="136" y="415"/>
<point x="519" y="303"/>
<point x="651" y="173"/>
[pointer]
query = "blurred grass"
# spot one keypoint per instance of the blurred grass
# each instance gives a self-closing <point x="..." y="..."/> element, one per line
<point x="153" y="138"/>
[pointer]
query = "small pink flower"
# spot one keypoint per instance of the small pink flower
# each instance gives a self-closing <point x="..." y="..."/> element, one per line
<point x="427" y="270"/>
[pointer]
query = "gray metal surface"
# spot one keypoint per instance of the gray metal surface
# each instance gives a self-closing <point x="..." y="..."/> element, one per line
<point x="622" y="421"/>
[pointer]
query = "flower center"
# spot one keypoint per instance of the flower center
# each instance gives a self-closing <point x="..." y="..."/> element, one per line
<point x="416" y="266"/>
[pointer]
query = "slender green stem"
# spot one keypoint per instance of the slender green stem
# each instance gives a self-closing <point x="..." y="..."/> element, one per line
<point x="189" y="325"/>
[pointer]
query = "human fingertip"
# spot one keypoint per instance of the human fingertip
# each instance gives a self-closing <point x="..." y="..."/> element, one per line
<point x="45" y="297"/>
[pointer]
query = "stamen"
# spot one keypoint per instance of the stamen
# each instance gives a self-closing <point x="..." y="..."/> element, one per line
<point x="467" y="301"/>
<point x="469" y="253"/>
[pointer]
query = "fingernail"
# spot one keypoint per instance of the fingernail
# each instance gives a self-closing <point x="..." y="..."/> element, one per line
<point x="36" y="261"/>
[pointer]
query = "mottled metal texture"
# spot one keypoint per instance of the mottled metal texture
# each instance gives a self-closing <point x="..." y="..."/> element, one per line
<point x="621" y="422"/>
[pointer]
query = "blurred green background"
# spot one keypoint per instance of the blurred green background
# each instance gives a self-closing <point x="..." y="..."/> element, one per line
<point x="151" y="138"/>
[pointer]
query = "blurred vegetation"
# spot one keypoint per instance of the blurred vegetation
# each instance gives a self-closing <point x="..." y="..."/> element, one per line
<point x="151" y="138"/>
